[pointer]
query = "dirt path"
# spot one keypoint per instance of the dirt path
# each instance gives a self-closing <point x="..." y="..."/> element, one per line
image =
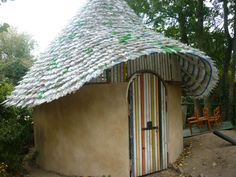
<point x="204" y="156"/>
<point x="211" y="156"/>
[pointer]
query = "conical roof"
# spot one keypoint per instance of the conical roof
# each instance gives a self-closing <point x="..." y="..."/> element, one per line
<point x="102" y="34"/>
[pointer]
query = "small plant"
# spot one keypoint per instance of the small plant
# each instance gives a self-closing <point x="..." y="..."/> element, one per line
<point x="34" y="157"/>
<point x="3" y="169"/>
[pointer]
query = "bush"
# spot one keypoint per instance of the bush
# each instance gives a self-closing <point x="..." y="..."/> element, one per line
<point x="14" y="139"/>
<point x="3" y="171"/>
<point x="16" y="132"/>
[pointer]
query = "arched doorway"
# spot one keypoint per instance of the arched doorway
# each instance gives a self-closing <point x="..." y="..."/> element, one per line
<point x="147" y="125"/>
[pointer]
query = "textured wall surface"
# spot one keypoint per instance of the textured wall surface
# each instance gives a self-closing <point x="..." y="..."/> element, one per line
<point x="85" y="133"/>
<point x="174" y="122"/>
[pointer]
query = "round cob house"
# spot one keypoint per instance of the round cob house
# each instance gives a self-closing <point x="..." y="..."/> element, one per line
<point x="107" y="94"/>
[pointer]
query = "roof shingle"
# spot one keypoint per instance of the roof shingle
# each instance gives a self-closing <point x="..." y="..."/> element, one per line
<point x="102" y="34"/>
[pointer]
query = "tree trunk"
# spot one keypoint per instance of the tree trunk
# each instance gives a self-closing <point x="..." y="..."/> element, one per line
<point x="197" y="106"/>
<point x="200" y="37"/>
<point x="207" y="103"/>
<point x="225" y="75"/>
<point x="200" y="28"/>
<point x="232" y="80"/>
<point x="183" y="29"/>
<point x="232" y="83"/>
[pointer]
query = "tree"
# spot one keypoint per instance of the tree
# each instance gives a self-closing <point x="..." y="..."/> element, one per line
<point x="4" y="27"/>
<point x="197" y="23"/>
<point x="15" y="131"/>
<point x="15" y="123"/>
<point x="227" y="58"/>
<point x="167" y="16"/>
<point x="233" y="65"/>
<point x="15" y="45"/>
<point x="15" y="55"/>
<point x="14" y="71"/>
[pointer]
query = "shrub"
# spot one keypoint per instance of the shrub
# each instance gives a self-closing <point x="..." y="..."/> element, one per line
<point x="16" y="132"/>
<point x="15" y="137"/>
<point x="3" y="171"/>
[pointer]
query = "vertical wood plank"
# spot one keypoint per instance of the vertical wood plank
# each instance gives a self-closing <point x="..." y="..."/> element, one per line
<point x="142" y="122"/>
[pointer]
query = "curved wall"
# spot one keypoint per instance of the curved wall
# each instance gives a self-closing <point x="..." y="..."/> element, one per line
<point x="86" y="133"/>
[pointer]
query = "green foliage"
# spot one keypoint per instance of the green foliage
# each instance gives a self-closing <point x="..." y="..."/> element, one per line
<point x="15" y="46"/>
<point x="197" y="23"/>
<point x="177" y="19"/>
<point x="15" y="55"/>
<point x="16" y="132"/>
<point x="14" y="138"/>
<point x="4" y="27"/>
<point x="34" y="157"/>
<point x="13" y="70"/>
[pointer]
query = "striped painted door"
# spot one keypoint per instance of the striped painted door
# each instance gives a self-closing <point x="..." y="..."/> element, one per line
<point x="147" y="124"/>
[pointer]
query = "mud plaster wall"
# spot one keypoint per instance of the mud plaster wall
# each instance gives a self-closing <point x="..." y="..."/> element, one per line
<point x="85" y="133"/>
<point x="174" y="122"/>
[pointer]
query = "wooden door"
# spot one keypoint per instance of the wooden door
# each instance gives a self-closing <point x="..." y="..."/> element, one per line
<point x="147" y="125"/>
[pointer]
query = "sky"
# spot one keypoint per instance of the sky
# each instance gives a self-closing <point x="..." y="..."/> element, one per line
<point x="41" y="19"/>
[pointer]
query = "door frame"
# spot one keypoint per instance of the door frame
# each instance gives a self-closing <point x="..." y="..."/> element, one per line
<point x="130" y="80"/>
